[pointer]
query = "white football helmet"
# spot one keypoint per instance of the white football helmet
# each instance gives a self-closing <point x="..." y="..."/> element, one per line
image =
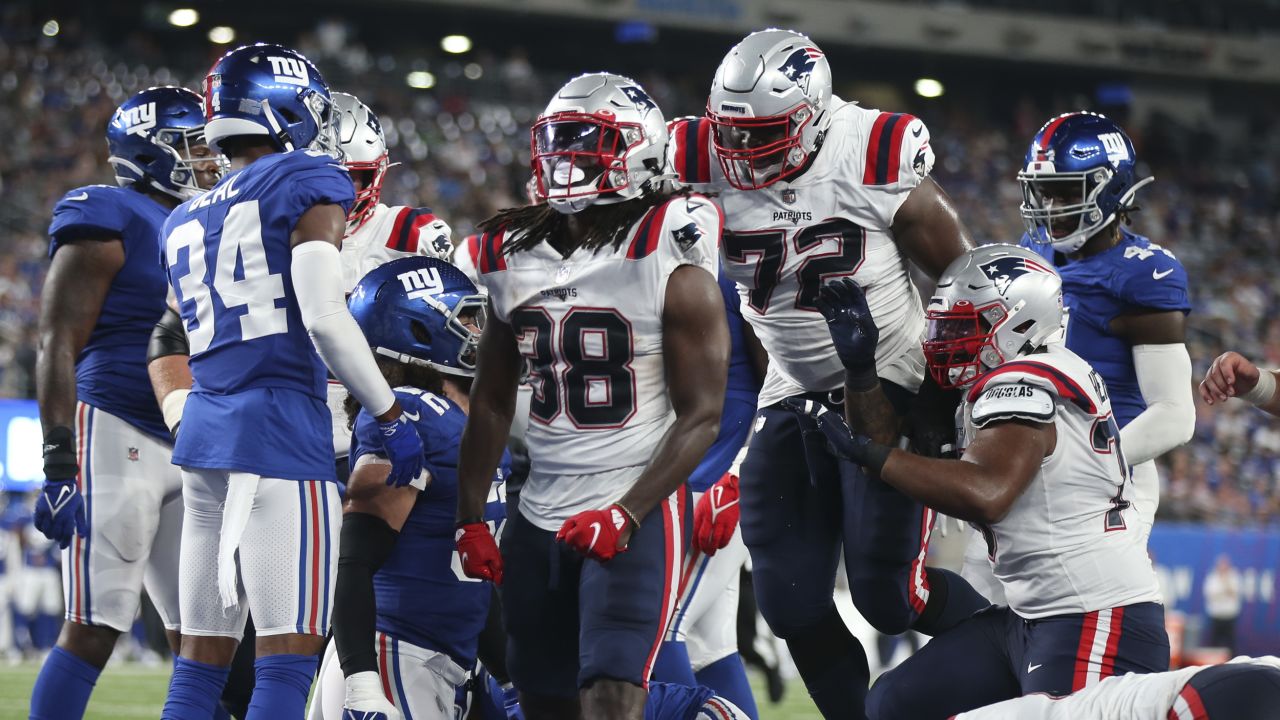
<point x="769" y="105"/>
<point x="600" y="140"/>
<point x="992" y="304"/>
<point x="364" y="150"/>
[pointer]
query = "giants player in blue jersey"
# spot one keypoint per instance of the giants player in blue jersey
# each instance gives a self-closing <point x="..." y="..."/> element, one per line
<point x="406" y="621"/>
<point x="254" y="265"/>
<point x="111" y="499"/>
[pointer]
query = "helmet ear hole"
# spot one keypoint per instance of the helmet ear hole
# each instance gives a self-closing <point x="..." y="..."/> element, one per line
<point x="420" y="332"/>
<point x="289" y="115"/>
<point x="1022" y="328"/>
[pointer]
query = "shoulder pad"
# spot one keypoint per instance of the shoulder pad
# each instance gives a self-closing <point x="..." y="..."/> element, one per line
<point x="1039" y="374"/>
<point x="897" y="149"/>
<point x="419" y="231"/>
<point x="686" y="222"/>
<point x="690" y="149"/>
<point x="95" y="209"/>
<point x="488" y="255"/>
<point x="1013" y="401"/>
<point x="1152" y="277"/>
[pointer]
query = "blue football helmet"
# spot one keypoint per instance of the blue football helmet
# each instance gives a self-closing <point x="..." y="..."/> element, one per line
<point x="421" y="311"/>
<point x="271" y="90"/>
<point x="151" y="137"/>
<point x="1079" y="173"/>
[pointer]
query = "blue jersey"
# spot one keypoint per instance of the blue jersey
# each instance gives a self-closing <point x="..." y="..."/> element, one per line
<point x="258" y="404"/>
<point x="739" y="398"/>
<point x="423" y="596"/>
<point x="111" y="370"/>
<point x="1136" y="273"/>
<point x="669" y="701"/>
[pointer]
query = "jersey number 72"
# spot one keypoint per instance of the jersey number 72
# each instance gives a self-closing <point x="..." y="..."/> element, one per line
<point x="768" y="250"/>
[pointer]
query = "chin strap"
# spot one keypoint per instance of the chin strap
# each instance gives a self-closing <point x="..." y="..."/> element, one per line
<point x="280" y="134"/>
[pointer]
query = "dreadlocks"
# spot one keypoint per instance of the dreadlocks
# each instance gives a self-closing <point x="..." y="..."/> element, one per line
<point x="608" y="225"/>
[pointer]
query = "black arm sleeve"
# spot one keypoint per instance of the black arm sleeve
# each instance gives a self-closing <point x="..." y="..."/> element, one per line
<point x="169" y="337"/>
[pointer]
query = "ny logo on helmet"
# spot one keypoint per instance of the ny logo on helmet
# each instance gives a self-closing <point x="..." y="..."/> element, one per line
<point x="1113" y="143"/>
<point x="421" y="282"/>
<point x="139" y="119"/>
<point x="1005" y="270"/>
<point x="289" y="70"/>
<point x="799" y="65"/>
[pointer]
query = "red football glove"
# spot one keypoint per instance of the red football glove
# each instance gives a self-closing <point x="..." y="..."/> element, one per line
<point x="595" y="533"/>
<point x="716" y="516"/>
<point x="479" y="552"/>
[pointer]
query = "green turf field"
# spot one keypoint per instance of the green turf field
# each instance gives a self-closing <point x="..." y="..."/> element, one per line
<point x="135" y="692"/>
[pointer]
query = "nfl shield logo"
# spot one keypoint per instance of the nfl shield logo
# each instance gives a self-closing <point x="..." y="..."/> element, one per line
<point x="562" y="274"/>
<point x="133" y="454"/>
<point x="789" y="196"/>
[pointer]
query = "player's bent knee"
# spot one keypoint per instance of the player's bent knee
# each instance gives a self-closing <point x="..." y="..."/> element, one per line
<point x="290" y="644"/>
<point x="884" y="606"/>
<point x="892" y="699"/>
<point x="91" y="643"/>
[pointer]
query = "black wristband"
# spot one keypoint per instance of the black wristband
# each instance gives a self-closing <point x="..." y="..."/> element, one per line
<point x="877" y="456"/>
<point x="862" y="379"/>
<point x="469" y="521"/>
<point x="60" y="454"/>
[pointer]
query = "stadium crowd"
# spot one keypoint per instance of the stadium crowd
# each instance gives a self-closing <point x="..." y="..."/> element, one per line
<point x="462" y="149"/>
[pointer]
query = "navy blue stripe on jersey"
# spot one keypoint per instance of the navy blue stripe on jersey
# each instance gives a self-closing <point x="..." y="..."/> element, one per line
<point x="649" y="233"/>
<point x="404" y="237"/>
<point x="884" y="148"/>
<point x="491" y="258"/>
<point x="1066" y="387"/>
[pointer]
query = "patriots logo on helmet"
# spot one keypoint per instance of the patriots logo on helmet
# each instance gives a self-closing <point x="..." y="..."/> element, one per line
<point x="1005" y="270"/>
<point x="799" y="65"/>
<point x="639" y="97"/>
<point x="686" y="236"/>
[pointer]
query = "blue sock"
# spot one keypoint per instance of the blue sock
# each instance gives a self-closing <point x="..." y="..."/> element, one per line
<point x="672" y="664"/>
<point x="62" y="687"/>
<point x="194" y="690"/>
<point x="728" y="678"/>
<point x="44" y="632"/>
<point x="281" y="684"/>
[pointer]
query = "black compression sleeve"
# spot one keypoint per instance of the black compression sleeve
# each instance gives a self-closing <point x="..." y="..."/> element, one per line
<point x="492" y="648"/>
<point x="169" y="337"/>
<point x="367" y="542"/>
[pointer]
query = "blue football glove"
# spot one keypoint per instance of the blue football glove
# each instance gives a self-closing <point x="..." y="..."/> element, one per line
<point x="852" y="328"/>
<point x="816" y="418"/>
<point x="403" y="447"/>
<point x="59" y="512"/>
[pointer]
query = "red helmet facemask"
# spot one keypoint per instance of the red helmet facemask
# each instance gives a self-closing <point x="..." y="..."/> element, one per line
<point x="956" y="340"/>
<point x="370" y="195"/>
<point x="569" y="149"/>
<point x="756" y="152"/>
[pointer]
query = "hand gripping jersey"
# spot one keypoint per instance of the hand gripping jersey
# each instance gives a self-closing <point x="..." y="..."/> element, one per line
<point x="1153" y="696"/>
<point x="111" y="370"/>
<point x="781" y="243"/>
<point x="423" y="597"/>
<point x="389" y="233"/>
<point x="1136" y="273"/>
<point x="258" y="404"/>
<point x="1071" y="542"/>
<point x="590" y="326"/>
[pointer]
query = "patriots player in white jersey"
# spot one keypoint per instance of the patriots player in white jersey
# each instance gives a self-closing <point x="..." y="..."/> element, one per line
<point x="1125" y="296"/>
<point x="607" y="293"/>
<point x="111" y="498"/>
<point x="1244" y="689"/>
<point x="1042" y="475"/>
<point x="376" y="233"/>
<point x="255" y="270"/>
<point x="813" y="188"/>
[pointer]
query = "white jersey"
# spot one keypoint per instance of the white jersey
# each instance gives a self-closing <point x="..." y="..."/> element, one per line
<point x="590" y="327"/>
<point x="782" y="242"/>
<point x="1152" y="696"/>
<point x="1072" y="542"/>
<point x="389" y="233"/>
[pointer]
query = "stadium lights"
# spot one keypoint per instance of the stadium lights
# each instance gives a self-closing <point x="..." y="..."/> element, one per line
<point x="420" y="79"/>
<point x="472" y="71"/>
<point x="184" y="17"/>
<point x="51" y="28"/>
<point x="221" y="35"/>
<point x="455" y="44"/>
<point x="928" y="88"/>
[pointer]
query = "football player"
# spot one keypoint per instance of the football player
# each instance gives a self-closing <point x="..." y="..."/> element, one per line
<point x="404" y="619"/>
<point x="608" y="292"/>
<point x="701" y="647"/>
<point x="255" y="268"/>
<point x="1125" y="297"/>
<point x="111" y="498"/>
<point x="1243" y="689"/>
<point x="1042" y="475"/>
<point x="813" y="188"/>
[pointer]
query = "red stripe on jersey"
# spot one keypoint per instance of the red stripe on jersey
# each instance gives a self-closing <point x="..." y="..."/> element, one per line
<point x="473" y="249"/>
<point x="1081" y="675"/>
<point x="382" y="667"/>
<point x="895" y="147"/>
<point x="1065" y="386"/>
<point x="398" y="228"/>
<point x="704" y="151"/>
<point x="648" y="233"/>
<point x="313" y="519"/>
<point x="493" y="250"/>
<point x="676" y="133"/>
<point x="1191" y="697"/>
<point x="873" y="149"/>
<point x="1113" y="644"/>
<point x="419" y="222"/>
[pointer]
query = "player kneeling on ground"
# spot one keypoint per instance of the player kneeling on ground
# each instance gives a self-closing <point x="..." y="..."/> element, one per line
<point x="1042" y="477"/>
<point x="405" y="621"/>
